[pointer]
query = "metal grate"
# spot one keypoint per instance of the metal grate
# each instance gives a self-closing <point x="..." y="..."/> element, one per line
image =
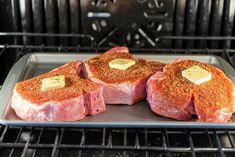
<point x="34" y="141"/>
<point x="137" y="23"/>
<point x="14" y="48"/>
<point x="60" y="142"/>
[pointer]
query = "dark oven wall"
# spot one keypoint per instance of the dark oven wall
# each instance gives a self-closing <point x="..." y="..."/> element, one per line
<point x="136" y="23"/>
<point x="148" y="24"/>
<point x="6" y="25"/>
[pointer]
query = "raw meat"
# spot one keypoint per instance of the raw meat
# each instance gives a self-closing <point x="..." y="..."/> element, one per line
<point x="78" y="98"/>
<point x="171" y="95"/>
<point x="120" y="86"/>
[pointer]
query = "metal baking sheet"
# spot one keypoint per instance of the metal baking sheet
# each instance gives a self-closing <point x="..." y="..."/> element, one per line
<point x="136" y="116"/>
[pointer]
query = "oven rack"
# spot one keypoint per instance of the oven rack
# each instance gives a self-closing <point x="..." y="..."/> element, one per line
<point x="15" y="40"/>
<point x="13" y="45"/>
<point x="56" y="142"/>
<point x="36" y="141"/>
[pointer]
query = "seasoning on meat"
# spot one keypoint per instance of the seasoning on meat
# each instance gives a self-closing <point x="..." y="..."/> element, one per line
<point x="170" y="95"/>
<point x="121" y="86"/>
<point x="78" y="98"/>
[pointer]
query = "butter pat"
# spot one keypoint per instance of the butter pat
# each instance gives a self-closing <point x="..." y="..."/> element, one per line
<point x="196" y="75"/>
<point x="51" y="83"/>
<point x="121" y="64"/>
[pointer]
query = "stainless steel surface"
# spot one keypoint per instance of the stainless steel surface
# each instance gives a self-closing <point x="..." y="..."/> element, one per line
<point x="138" y="115"/>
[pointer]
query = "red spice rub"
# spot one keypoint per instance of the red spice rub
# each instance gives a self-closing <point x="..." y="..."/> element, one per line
<point x="121" y="86"/>
<point x="171" y="95"/>
<point x="74" y="86"/>
<point x="99" y="67"/>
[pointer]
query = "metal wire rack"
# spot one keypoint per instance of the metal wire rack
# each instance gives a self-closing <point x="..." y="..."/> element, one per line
<point x="34" y="141"/>
<point x="59" y="142"/>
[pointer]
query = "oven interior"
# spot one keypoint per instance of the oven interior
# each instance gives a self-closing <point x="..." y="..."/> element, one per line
<point x="93" y="26"/>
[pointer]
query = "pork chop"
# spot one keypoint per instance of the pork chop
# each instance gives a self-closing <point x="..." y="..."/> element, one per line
<point x="171" y="95"/>
<point x="78" y="98"/>
<point x="121" y="86"/>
